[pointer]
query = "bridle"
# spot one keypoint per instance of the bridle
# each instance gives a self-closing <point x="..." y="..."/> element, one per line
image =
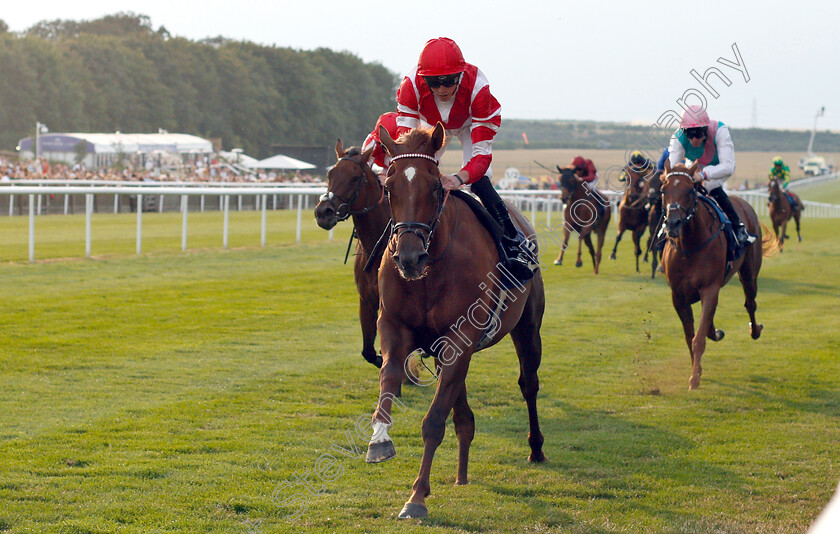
<point x="422" y="230"/>
<point x="343" y="211"/>
<point x="689" y="213"/>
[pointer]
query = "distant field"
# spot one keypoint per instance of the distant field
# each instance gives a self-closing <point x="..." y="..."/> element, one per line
<point x="751" y="166"/>
<point x="175" y="392"/>
<point x="829" y="193"/>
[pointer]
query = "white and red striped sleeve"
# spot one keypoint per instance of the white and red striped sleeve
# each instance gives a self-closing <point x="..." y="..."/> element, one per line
<point x="408" y="104"/>
<point x="486" y="113"/>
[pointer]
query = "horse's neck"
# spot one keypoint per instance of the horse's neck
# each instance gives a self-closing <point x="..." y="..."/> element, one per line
<point x="701" y="226"/>
<point x="449" y="220"/>
<point x="371" y="225"/>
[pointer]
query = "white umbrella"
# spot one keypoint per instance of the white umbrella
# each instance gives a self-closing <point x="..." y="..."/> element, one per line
<point x="281" y="162"/>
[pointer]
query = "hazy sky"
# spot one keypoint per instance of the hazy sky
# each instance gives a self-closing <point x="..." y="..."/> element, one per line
<point x="549" y="59"/>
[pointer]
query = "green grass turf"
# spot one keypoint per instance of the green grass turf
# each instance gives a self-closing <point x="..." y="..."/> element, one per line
<point x="175" y="392"/>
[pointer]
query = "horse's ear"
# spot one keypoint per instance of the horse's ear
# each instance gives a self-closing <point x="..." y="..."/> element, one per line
<point x="339" y="150"/>
<point x="559" y="169"/>
<point x="366" y="154"/>
<point x="667" y="167"/>
<point x="694" y="167"/>
<point x="438" y="136"/>
<point x="387" y="142"/>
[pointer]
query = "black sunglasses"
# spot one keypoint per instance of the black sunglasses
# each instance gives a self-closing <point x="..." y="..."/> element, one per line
<point x="446" y="81"/>
<point x="696" y="133"/>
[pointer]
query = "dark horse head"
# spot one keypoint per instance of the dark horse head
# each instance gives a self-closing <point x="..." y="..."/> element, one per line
<point x="773" y="189"/>
<point x="637" y="180"/>
<point x="568" y="183"/>
<point x="679" y="197"/>
<point x="415" y="195"/>
<point x="345" y="183"/>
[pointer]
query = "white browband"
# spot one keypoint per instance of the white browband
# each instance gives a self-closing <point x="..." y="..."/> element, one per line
<point x="413" y="155"/>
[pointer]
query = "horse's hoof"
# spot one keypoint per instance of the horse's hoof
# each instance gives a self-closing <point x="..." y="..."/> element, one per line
<point x="459" y="482"/>
<point x="694" y="383"/>
<point x="536" y="458"/>
<point x="612" y="256"/>
<point x="579" y="264"/>
<point x="379" y="452"/>
<point x="718" y="335"/>
<point x="412" y="510"/>
<point x="558" y="262"/>
<point x="756" y="332"/>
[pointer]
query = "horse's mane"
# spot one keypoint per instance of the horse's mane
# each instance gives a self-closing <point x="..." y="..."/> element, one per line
<point x="353" y="151"/>
<point x="415" y="139"/>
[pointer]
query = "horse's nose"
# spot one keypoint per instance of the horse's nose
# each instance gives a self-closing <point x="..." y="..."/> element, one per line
<point x="673" y="228"/>
<point x="411" y="263"/>
<point x="325" y="215"/>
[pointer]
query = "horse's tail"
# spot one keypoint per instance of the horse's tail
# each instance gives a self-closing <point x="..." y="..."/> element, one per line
<point x="769" y="243"/>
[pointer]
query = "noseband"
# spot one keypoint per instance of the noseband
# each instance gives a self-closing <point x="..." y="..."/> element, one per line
<point x="343" y="211"/>
<point x="422" y="230"/>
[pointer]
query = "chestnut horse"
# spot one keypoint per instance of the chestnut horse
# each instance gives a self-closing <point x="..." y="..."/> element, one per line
<point x="695" y="260"/>
<point x="582" y="216"/>
<point x="780" y="212"/>
<point x="353" y="190"/>
<point x="439" y="290"/>
<point x="632" y="210"/>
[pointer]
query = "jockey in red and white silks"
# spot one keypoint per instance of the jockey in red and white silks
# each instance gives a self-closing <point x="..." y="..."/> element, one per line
<point x="473" y="115"/>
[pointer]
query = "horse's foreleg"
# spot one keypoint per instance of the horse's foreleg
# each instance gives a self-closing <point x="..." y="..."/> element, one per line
<point x="450" y="385"/>
<point x="709" y="301"/>
<point x="637" y="240"/>
<point x="617" y="240"/>
<point x="367" y="317"/>
<point x="396" y="344"/>
<point x="464" y="421"/>
<point x="683" y="308"/>
<point x="579" y="262"/>
<point x="566" y="233"/>
<point x="588" y="240"/>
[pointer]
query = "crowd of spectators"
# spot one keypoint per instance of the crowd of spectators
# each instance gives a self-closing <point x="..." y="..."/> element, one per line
<point x="203" y="170"/>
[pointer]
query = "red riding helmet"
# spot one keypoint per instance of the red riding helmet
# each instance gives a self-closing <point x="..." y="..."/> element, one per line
<point x="440" y="57"/>
<point x="579" y="162"/>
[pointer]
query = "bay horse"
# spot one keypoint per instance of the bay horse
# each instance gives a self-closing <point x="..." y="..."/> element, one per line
<point x="581" y="216"/>
<point x="695" y="260"/>
<point x="654" y="222"/>
<point x="632" y="209"/>
<point x="353" y="190"/>
<point x="439" y="287"/>
<point x="781" y="212"/>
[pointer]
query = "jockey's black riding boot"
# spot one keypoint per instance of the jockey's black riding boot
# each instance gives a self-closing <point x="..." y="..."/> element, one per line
<point x="741" y="234"/>
<point x="520" y="258"/>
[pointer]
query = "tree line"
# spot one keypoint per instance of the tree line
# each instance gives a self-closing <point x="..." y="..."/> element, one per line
<point x="118" y="73"/>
